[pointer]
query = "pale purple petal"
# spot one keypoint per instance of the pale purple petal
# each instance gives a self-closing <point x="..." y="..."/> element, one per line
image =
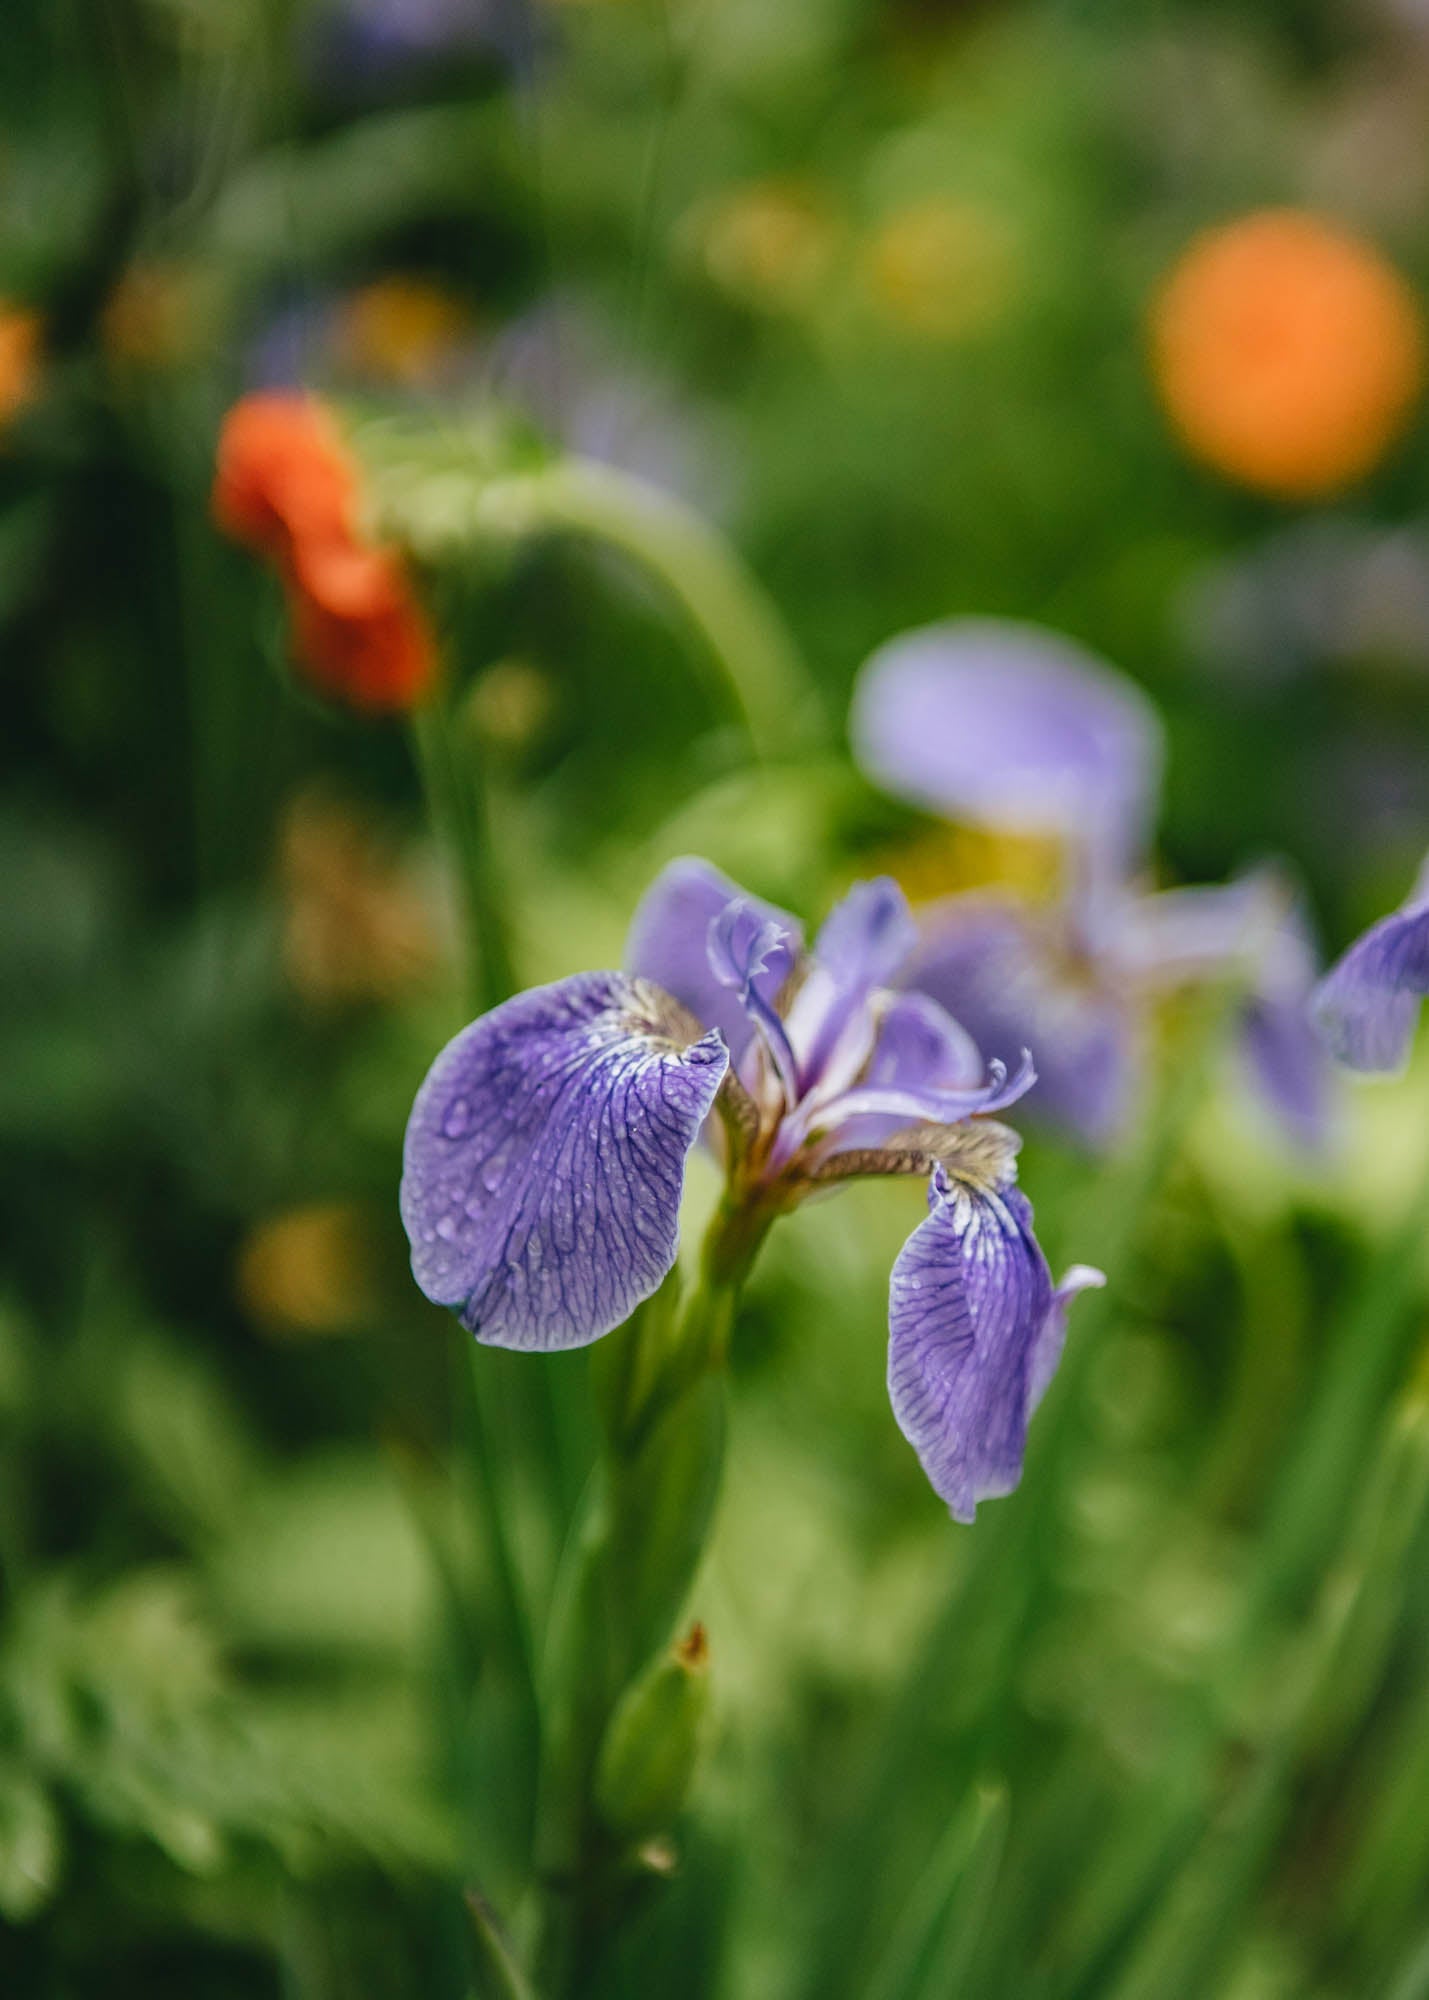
<point x="919" y="1043"/>
<point x="1047" y="1348"/>
<point x="669" y="943"/>
<point x="974" y="1333"/>
<point x="1367" y="1005"/>
<point x="1287" y="1065"/>
<point x="863" y="945"/>
<point x="1011" y="726"/>
<point x="743" y="945"/>
<point x="545" y="1159"/>
<point x="1009" y="977"/>
<point x="1185" y="935"/>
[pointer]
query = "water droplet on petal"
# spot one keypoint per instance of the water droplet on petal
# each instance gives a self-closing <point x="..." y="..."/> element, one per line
<point x="458" y="1119"/>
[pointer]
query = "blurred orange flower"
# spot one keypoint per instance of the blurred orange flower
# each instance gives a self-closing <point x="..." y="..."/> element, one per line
<point x="19" y="358"/>
<point x="287" y="486"/>
<point x="1288" y="352"/>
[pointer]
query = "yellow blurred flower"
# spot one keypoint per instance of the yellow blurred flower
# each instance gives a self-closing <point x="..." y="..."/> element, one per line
<point x="512" y="703"/>
<point x="401" y="330"/>
<point x="19" y="358"/>
<point x="1288" y="352"/>
<point x="357" y="923"/>
<point x="309" y="1270"/>
<point x="770" y="243"/>
<point x="947" y="860"/>
<point x="939" y="268"/>
<point x="151" y="318"/>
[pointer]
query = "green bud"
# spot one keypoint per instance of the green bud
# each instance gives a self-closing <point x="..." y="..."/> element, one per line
<point x="648" y="1757"/>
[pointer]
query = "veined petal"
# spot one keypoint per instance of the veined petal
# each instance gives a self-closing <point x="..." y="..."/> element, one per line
<point x="975" y="1329"/>
<point x="545" y="1158"/>
<point x="1367" y="1004"/>
<point x="1011" y="726"/>
<point x="669" y="943"/>
<point x="1006" y="976"/>
<point x="743" y="943"/>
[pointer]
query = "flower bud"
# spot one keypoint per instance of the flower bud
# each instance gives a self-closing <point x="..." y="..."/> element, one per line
<point x="648" y="1758"/>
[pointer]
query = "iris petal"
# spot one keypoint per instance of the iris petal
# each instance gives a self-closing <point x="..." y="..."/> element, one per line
<point x="975" y="1330"/>
<point x="743" y="944"/>
<point x="1366" y="1005"/>
<point x="1005" y="976"/>
<point x="863" y="945"/>
<point x="545" y="1158"/>
<point x="1011" y="726"/>
<point x="669" y="943"/>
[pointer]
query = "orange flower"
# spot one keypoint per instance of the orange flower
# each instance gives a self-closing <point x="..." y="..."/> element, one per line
<point x="287" y="487"/>
<point x="1288" y="353"/>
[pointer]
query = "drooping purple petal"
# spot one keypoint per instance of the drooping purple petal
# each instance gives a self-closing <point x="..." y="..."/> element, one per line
<point x="1011" y="726"/>
<point x="975" y="1329"/>
<point x="545" y="1158"/>
<point x="1011" y="979"/>
<point x="1047" y="1347"/>
<point x="669" y="943"/>
<point x="865" y="941"/>
<point x="1287" y="1066"/>
<point x="742" y="946"/>
<point x="1366" y="1006"/>
<point x="1287" y="1061"/>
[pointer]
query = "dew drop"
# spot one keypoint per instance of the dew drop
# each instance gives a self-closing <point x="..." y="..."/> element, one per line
<point x="458" y="1119"/>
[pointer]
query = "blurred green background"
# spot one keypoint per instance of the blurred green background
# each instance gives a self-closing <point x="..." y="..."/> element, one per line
<point x="867" y="286"/>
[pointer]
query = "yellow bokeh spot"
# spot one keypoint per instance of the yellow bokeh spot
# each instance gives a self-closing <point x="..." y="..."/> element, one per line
<point x="939" y="269"/>
<point x="1287" y="351"/>
<point x="769" y="243"/>
<point x="149" y="318"/>
<point x="950" y="860"/>
<point x="19" y="359"/>
<point x="308" y="1271"/>
<point x="401" y="330"/>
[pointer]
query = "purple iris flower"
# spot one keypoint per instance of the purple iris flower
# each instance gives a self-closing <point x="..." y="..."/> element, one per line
<point x="1020" y="730"/>
<point x="1367" y="1005"/>
<point x="545" y="1155"/>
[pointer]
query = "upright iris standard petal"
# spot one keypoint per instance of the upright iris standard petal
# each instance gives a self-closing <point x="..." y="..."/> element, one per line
<point x="669" y="943"/>
<point x="1367" y="1004"/>
<point x="1010" y="978"/>
<point x="545" y="1158"/>
<point x="864" y="943"/>
<point x="1014" y="727"/>
<point x="743" y="944"/>
<point x="975" y="1329"/>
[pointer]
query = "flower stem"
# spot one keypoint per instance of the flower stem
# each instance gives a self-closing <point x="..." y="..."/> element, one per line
<point x="743" y="632"/>
<point x="456" y="802"/>
<point x="660" y="1388"/>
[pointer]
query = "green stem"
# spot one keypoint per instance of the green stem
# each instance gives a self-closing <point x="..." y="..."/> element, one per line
<point x="660" y="1389"/>
<point x="745" y="640"/>
<point x="456" y="802"/>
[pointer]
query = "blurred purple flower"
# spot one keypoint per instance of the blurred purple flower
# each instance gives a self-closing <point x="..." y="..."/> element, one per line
<point x="546" y="1151"/>
<point x="1332" y="589"/>
<point x="1367" y="1005"/>
<point x="561" y="365"/>
<point x="1013" y="728"/>
<point x="373" y="42"/>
